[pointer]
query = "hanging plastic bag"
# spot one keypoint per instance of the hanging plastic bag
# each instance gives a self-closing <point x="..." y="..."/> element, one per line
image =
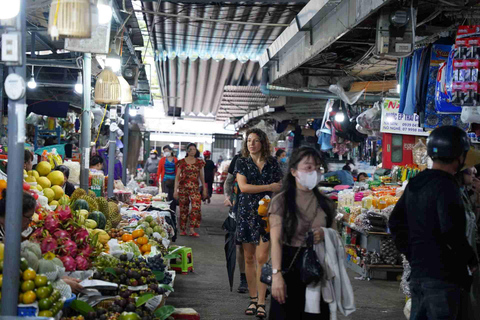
<point x="371" y="118"/>
<point x="349" y="98"/>
<point x="470" y="115"/>
<point x="420" y="155"/>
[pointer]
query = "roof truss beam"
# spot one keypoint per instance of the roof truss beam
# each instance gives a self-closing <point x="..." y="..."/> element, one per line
<point x="318" y="25"/>
<point x="117" y="16"/>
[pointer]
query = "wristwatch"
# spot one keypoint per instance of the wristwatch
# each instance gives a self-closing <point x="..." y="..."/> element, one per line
<point x="275" y="271"/>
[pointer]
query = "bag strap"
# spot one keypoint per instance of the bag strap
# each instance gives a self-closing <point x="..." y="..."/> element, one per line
<point x="300" y="248"/>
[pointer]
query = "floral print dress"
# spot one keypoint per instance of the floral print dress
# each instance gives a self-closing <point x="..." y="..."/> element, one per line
<point x="189" y="192"/>
<point x="249" y="223"/>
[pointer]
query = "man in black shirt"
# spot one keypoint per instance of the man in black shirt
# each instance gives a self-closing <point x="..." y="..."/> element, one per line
<point x="428" y="226"/>
<point x="210" y="169"/>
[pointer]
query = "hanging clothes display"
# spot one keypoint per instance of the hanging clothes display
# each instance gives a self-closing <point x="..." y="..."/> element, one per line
<point x="432" y="118"/>
<point x="410" y="102"/>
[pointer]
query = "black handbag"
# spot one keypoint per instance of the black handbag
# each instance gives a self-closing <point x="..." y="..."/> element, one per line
<point x="267" y="271"/>
<point x="312" y="271"/>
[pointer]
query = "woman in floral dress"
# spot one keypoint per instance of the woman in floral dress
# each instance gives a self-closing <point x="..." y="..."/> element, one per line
<point x="187" y="189"/>
<point x="258" y="175"/>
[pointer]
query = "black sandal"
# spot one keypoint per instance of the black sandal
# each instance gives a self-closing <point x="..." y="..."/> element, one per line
<point x="261" y="314"/>
<point x="251" y="311"/>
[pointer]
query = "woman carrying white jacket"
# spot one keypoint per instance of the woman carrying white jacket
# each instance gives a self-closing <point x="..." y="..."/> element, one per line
<point x="290" y="221"/>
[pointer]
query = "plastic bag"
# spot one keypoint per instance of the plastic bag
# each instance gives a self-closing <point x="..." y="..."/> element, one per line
<point x="312" y="271"/>
<point x="74" y="171"/>
<point x="349" y="98"/>
<point x="420" y="155"/>
<point x="470" y="115"/>
<point x="371" y="119"/>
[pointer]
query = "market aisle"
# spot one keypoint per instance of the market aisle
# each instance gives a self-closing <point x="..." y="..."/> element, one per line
<point x="207" y="290"/>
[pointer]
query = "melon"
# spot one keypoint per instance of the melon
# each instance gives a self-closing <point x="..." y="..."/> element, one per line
<point x="56" y="177"/>
<point x="34" y="173"/>
<point x="59" y="193"/>
<point x="39" y="187"/>
<point x="80" y="204"/>
<point x="44" y="182"/>
<point x="53" y="203"/>
<point x="44" y="168"/>
<point x="99" y="219"/>
<point x="49" y="193"/>
<point x="30" y="179"/>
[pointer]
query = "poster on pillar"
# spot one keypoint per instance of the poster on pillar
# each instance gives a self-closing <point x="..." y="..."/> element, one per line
<point x="399" y="123"/>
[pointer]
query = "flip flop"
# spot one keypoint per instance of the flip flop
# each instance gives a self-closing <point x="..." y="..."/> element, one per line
<point x="196" y="235"/>
<point x="184" y="233"/>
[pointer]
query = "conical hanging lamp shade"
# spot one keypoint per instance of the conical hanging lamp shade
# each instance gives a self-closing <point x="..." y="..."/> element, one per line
<point x="126" y="91"/>
<point x="107" y="88"/>
<point x="70" y="19"/>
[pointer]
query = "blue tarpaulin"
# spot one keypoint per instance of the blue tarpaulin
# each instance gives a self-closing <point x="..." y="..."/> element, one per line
<point x="55" y="109"/>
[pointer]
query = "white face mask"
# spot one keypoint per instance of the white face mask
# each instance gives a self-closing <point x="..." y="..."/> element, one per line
<point x="308" y="179"/>
<point x="167" y="154"/>
<point x="152" y="156"/>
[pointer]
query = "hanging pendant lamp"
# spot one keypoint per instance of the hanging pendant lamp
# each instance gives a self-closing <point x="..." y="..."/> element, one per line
<point x="70" y="19"/>
<point x="107" y="88"/>
<point x="126" y="91"/>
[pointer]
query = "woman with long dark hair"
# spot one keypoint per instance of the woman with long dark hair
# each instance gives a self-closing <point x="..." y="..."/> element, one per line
<point x="187" y="189"/>
<point x="296" y="210"/>
<point x="258" y="175"/>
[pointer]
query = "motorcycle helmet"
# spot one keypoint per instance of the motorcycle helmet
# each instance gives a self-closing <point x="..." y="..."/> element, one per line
<point x="447" y="142"/>
<point x="207" y="154"/>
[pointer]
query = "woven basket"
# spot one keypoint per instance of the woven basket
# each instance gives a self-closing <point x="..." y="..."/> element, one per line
<point x="107" y="88"/>
<point x="70" y="19"/>
<point x="126" y="91"/>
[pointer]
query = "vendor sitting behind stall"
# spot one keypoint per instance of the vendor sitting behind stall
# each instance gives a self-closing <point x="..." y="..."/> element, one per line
<point x="344" y="176"/>
<point x="96" y="163"/>
<point x="28" y="158"/>
<point x="68" y="187"/>
<point x="362" y="177"/>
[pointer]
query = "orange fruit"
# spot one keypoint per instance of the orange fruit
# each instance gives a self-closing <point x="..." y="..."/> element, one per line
<point x="3" y="184"/>
<point x="146" y="248"/>
<point x="29" y="274"/>
<point x="142" y="240"/>
<point x="138" y="233"/>
<point x="127" y="237"/>
<point x="29" y="297"/>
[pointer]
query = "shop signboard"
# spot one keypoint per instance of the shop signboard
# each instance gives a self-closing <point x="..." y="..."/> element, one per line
<point x="399" y="123"/>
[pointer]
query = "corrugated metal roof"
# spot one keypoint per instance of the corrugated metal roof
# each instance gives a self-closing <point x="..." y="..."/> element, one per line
<point x="206" y="86"/>
<point x="198" y="58"/>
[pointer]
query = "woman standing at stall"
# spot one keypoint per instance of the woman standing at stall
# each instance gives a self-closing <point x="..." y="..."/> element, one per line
<point x="187" y="189"/>
<point x="258" y="175"/>
<point x="299" y="208"/>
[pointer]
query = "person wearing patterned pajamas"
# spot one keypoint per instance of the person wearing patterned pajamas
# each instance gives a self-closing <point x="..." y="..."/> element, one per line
<point x="187" y="190"/>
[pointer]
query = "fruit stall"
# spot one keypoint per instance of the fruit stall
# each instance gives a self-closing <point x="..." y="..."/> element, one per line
<point x="362" y="219"/>
<point x="117" y="249"/>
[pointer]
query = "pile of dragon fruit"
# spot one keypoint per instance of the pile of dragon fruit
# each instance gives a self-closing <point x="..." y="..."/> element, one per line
<point x="59" y="233"/>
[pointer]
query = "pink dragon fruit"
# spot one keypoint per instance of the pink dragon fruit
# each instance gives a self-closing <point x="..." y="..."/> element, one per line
<point x="67" y="247"/>
<point x="86" y="252"/>
<point x="80" y="236"/>
<point x="37" y="235"/>
<point x="51" y="223"/>
<point x="65" y="214"/>
<point x="71" y="229"/>
<point x="69" y="263"/>
<point x="82" y="263"/>
<point x="49" y="244"/>
<point x="60" y="234"/>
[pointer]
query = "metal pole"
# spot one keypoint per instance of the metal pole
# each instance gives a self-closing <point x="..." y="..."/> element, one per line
<point x="13" y="224"/>
<point x="111" y="152"/>
<point x="85" y="138"/>
<point x="126" y="132"/>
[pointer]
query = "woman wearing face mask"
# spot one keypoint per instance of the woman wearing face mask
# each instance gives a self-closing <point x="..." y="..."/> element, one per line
<point x="187" y="189"/>
<point x="296" y="210"/>
<point x="167" y="170"/>
<point x="258" y="175"/>
<point x="281" y="156"/>
<point x="151" y="167"/>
